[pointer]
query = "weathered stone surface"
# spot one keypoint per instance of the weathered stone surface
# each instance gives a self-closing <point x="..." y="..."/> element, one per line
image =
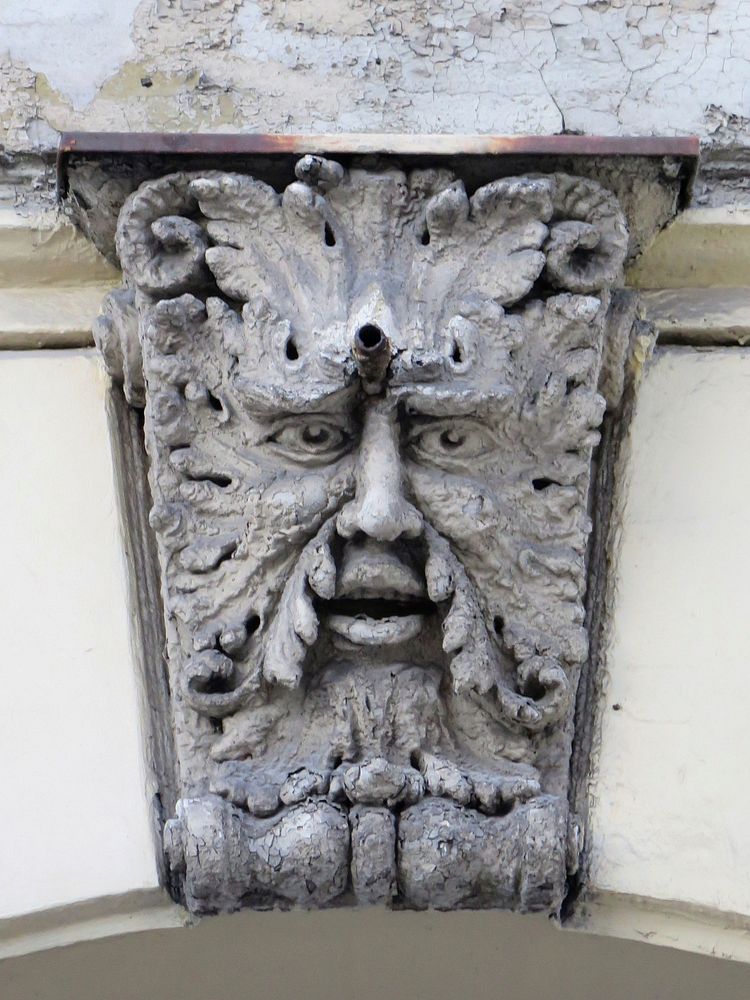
<point x="373" y="854"/>
<point x="371" y="404"/>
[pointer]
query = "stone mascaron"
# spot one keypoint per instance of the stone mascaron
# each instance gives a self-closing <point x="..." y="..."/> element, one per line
<point x="371" y="404"/>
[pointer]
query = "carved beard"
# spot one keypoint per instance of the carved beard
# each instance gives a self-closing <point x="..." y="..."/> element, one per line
<point x="373" y="725"/>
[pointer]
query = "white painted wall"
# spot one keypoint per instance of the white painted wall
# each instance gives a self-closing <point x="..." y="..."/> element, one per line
<point x="671" y="813"/>
<point x="76" y="821"/>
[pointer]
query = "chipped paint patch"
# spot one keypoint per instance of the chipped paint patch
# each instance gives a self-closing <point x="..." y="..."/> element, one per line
<point x="76" y="45"/>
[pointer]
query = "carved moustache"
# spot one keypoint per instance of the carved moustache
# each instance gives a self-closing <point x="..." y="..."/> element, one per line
<point x="474" y="661"/>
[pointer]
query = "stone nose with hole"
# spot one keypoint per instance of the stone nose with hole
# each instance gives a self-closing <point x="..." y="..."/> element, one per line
<point x="379" y="509"/>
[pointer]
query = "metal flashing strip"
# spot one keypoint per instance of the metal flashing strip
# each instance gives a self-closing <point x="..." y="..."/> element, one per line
<point x="97" y="144"/>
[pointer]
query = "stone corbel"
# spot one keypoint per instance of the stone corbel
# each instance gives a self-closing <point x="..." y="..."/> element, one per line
<point x="371" y="407"/>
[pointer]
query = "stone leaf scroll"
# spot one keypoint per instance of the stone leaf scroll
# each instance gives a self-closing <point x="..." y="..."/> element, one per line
<point x="371" y="403"/>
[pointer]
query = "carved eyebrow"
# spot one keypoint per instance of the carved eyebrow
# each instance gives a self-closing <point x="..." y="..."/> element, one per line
<point x="448" y="401"/>
<point x="274" y="400"/>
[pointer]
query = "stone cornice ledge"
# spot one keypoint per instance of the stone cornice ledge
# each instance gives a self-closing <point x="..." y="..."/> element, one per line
<point x="88" y="920"/>
<point x="692" y="276"/>
<point x="668" y="923"/>
<point x="52" y="280"/>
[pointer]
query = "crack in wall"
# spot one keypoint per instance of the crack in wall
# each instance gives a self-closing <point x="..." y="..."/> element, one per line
<point x="417" y="66"/>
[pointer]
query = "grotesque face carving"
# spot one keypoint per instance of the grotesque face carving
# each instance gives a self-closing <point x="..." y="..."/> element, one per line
<point x="371" y="408"/>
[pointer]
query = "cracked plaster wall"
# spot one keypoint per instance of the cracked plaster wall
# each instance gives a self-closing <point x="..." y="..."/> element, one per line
<point x="358" y="65"/>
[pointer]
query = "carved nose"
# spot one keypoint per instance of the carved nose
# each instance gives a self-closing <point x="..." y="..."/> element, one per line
<point x="380" y="515"/>
<point x="379" y="508"/>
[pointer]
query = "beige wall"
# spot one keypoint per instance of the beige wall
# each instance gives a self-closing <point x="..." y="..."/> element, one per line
<point x="76" y="818"/>
<point x="668" y="825"/>
<point x="370" y="954"/>
<point x="670" y="821"/>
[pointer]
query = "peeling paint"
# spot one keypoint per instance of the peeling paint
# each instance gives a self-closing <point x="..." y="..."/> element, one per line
<point x="76" y="45"/>
<point x="545" y="66"/>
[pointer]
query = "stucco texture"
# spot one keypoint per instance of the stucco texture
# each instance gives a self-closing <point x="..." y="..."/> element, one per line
<point x="358" y="65"/>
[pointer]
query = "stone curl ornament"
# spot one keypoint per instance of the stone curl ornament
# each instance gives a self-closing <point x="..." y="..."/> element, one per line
<point x="371" y="404"/>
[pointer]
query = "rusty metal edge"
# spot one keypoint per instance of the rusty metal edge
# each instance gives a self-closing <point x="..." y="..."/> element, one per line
<point x="225" y="143"/>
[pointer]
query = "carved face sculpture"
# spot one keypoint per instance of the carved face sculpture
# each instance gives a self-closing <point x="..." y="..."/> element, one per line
<point x="371" y="408"/>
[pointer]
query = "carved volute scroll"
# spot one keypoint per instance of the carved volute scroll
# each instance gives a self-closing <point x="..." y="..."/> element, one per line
<point x="371" y="404"/>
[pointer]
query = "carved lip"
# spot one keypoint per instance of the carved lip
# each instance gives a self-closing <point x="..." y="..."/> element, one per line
<point x="364" y="630"/>
<point x="375" y="621"/>
<point x="380" y="599"/>
<point x="369" y="572"/>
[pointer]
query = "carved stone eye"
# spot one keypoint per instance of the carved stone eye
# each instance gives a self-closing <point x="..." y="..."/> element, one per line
<point x="317" y="435"/>
<point x="452" y="439"/>
<point x="455" y="439"/>
<point x="310" y="438"/>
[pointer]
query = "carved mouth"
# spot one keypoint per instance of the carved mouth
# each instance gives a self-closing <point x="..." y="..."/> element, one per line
<point x="380" y="598"/>
<point x="379" y="607"/>
<point x="369" y="621"/>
